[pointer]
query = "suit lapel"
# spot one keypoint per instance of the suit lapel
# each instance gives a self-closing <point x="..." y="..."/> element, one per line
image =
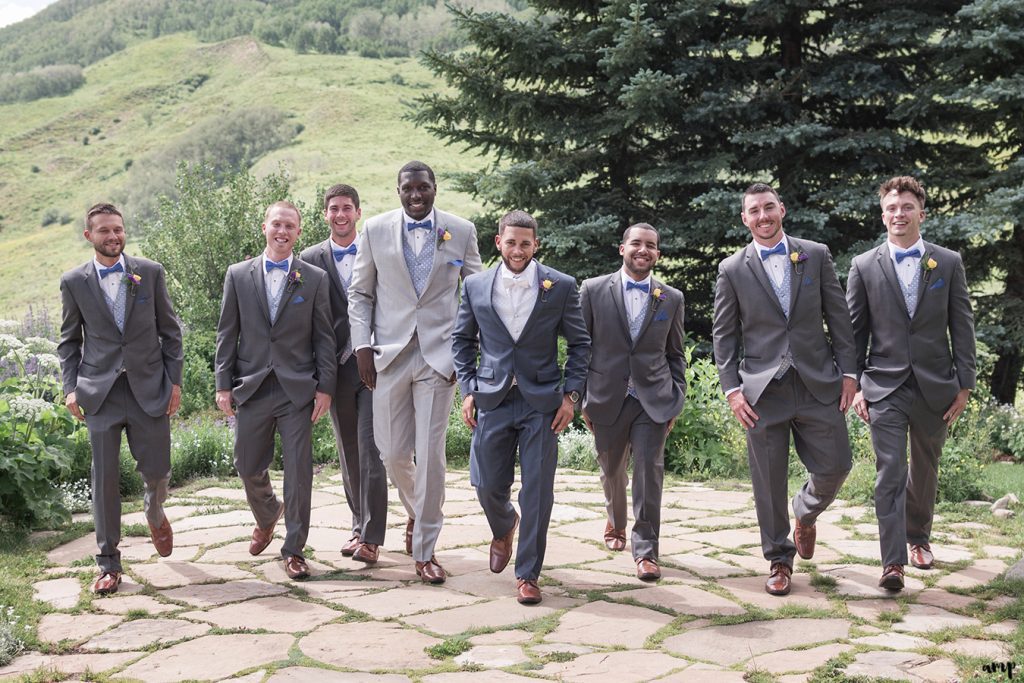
<point x="327" y="263"/>
<point x="618" y="303"/>
<point x="889" y="274"/>
<point x="488" y="305"/>
<point x="440" y="224"/>
<point x="290" y="287"/>
<point x="753" y="260"/>
<point x="796" y="275"/>
<point x="925" y="277"/>
<point x="649" y="309"/>
<point x="260" y="287"/>
<point x="92" y="283"/>
<point x="542" y="296"/>
<point x="131" y="266"/>
<point x="398" y="239"/>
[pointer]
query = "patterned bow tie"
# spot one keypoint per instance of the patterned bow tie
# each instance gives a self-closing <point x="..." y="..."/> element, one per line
<point x="779" y="248"/>
<point x="283" y="265"/>
<point x="909" y="253"/>
<point x="116" y="268"/>
<point x="427" y="225"/>
<point x="642" y="286"/>
<point x="511" y="282"/>
<point x="341" y="253"/>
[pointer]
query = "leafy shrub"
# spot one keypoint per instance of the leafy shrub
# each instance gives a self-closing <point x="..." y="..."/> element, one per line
<point x="459" y="437"/>
<point x="11" y="643"/>
<point x="50" y="216"/>
<point x="199" y="382"/>
<point x="203" y="447"/>
<point x="1007" y="430"/>
<point x="325" y="447"/>
<point x="967" y="449"/>
<point x="46" y="81"/>
<point x="576" y="449"/>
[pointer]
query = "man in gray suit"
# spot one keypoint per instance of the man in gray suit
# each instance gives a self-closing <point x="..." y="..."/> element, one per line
<point x="276" y="367"/>
<point x="914" y="332"/>
<point x="635" y="388"/>
<point x="513" y="395"/>
<point x="771" y="300"/>
<point x="402" y="305"/>
<point x="121" y="363"/>
<point x="362" y="471"/>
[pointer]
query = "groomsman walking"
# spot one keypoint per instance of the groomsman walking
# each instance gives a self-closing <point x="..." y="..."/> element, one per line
<point x="773" y="300"/>
<point x="121" y="364"/>
<point x="914" y="332"/>
<point x="505" y="345"/>
<point x="636" y="385"/>
<point x="362" y="471"/>
<point x="275" y="367"/>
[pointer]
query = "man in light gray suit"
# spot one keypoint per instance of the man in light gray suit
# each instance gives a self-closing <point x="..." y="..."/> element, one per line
<point x="362" y="471"/>
<point x="276" y="367"/>
<point x="121" y="364"/>
<point x="402" y="304"/>
<point x="773" y="299"/>
<point x="513" y="395"/>
<point x="914" y="332"/>
<point x="635" y="388"/>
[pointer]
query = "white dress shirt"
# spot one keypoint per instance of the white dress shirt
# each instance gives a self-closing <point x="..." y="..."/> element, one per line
<point x="110" y="283"/>
<point x="635" y="299"/>
<point x="274" y="280"/>
<point x="344" y="266"/>
<point x="776" y="264"/>
<point x="515" y="295"/>
<point x="417" y="238"/>
<point x="908" y="268"/>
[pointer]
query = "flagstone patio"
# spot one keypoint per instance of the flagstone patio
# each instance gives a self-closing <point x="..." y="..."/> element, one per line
<point x="213" y="612"/>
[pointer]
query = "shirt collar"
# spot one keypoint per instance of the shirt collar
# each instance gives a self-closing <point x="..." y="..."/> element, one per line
<point x="267" y="258"/>
<point x="893" y="248"/>
<point x="626" y="277"/>
<point x="758" y="246"/>
<point x="529" y="273"/>
<point x="120" y="259"/>
<point x="335" y="247"/>
<point x="406" y="218"/>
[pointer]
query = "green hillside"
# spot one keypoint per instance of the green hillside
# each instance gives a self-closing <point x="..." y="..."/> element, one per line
<point x="139" y="101"/>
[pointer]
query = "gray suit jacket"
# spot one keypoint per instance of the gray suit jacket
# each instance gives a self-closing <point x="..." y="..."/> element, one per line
<point x="656" y="361"/>
<point x="298" y="347"/>
<point x="937" y="344"/>
<point x="92" y="352"/>
<point x="383" y="302"/>
<point x="751" y="333"/>
<point x="322" y="256"/>
<point x="533" y="359"/>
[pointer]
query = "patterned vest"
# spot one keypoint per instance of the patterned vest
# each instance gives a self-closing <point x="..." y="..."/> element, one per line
<point x="635" y="324"/>
<point x="910" y="292"/>
<point x="783" y="294"/>
<point x="419" y="264"/>
<point x="117" y="305"/>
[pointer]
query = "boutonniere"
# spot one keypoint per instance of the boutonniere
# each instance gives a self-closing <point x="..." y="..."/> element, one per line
<point x="928" y="265"/>
<point x="657" y="296"/>
<point x="294" y="279"/>
<point x="133" y="280"/>
<point x="442" y="237"/>
<point x="545" y="286"/>
<point x="797" y="258"/>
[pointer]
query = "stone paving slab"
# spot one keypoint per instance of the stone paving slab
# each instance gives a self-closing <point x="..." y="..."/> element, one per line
<point x="894" y="641"/>
<point x="981" y="572"/>
<point x="608" y="624"/>
<point x="233" y="553"/>
<point x="502" y="613"/>
<point x="493" y="656"/>
<point x="122" y="604"/>
<point x="170" y="573"/>
<point x="307" y="674"/>
<point x="278" y="614"/>
<point x="59" y="593"/>
<point x="682" y="600"/>
<point x="751" y="590"/>
<point x="784" y="661"/>
<point x="889" y="665"/>
<point x="204" y="658"/>
<point x="141" y="633"/>
<point x="405" y="601"/>
<point x="69" y="664"/>
<point x="74" y="627"/>
<point x="736" y="643"/>
<point x="474" y="677"/>
<point x="621" y="667"/>
<point x="861" y="581"/>
<point x="925" y="619"/>
<point x="213" y="594"/>
<point x="369" y="646"/>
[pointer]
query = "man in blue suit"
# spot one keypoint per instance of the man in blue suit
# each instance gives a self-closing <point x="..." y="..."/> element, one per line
<point x="513" y="395"/>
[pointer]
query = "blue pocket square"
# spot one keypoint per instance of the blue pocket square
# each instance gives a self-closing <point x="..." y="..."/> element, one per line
<point x="662" y="315"/>
<point x="808" y="280"/>
<point x="938" y="283"/>
<point x="143" y="299"/>
<point x="457" y="263"/>
<point x="298" y="299"/>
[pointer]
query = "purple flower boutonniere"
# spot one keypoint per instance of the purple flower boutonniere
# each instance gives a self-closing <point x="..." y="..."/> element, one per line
<point x="294" y="279"/>
<point x="133" y="280"/>
<point x="442" y="237"/>
<point x="797" y="258"/>
<point x="657" y="296"/>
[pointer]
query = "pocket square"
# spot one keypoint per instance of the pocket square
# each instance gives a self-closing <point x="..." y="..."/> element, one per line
<point x="808" y="280"/>
<point x="298" y="299"/>
<point x="938" y="283"/>
<point x="457" y="263"/>
<point x="143" y="299"/>
<point x="661" y="315"/>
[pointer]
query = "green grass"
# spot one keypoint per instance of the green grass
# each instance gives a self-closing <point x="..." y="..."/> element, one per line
<point x="1001" y="478"/>
<point x="352" y="110"/>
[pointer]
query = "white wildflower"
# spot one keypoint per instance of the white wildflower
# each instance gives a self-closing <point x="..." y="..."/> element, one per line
<point x="40" y="345"/>
<point x="26" y="408"/>
<point x="9" y="327"/>
<point x="47" y="362"/>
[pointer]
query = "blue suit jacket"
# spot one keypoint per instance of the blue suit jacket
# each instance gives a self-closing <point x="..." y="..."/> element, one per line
<point x="533" y="359"/>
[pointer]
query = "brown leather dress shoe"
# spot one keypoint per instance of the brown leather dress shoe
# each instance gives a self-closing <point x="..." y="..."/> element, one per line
<point x="778" y="582"/>
<point x="803" y="537"/>
<point x="921" y="556"/>
<point x="647" y="569"/>
<point x="430" y="571"/>
<point x="163" y="538"/>
<point x="295" y="567"/>
<point x="367" y="552"/>
<point x="350" y="545"/>
<point x="892" y="578"/>
<point x="614" y="538"/>
<point x="107" y="583"/>
<point x="261" y="538"/>
<point x="501" y="549"/>
<point x="408" y="535"/>
<point x="529" y="592"/>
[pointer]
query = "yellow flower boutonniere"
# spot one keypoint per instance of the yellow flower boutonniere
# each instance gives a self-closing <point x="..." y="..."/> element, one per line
<point x="930" y="264"/>
<point x="547" y="284"/>
<point x="133" y="280"/>
<point x="442" y="236"/>
<point x="658" y="294"/>
<point x="798" y="257"/>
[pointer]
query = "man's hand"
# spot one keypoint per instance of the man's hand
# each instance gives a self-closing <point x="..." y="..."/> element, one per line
<point x="175" y="402"/>
<point x="564" y="415"/>
<point x="846" y="397"/>
<point x="367" y="370"/>
<point x="860" y="407"/>
<point x="71" y="401"/>
<point x="586" y="421"/>
<point x="957" y="407"/>
<point x="469" y="411"/>
<point x="224" y="402"/>
<point x="321" y="404"/>
<point x="742" y="410"/>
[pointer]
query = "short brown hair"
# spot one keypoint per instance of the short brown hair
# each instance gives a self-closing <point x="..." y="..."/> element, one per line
<point x="341" y="190"/>
<point x="283" y="204"/>
<point x="641" y="226"/>
<point x="758" y="188"/>
<point x="902" y="183"/>
<point x="96" y="209"/>
<point x="517" y="219"/>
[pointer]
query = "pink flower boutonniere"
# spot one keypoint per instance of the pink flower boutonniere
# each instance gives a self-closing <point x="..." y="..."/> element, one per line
<point x="294" y="279"/>
<point x="133" y="280"/>
<point x="442" y="237"/>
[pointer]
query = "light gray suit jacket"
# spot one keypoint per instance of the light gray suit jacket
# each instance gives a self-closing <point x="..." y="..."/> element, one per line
<point x="937" y="344"/>
<point x="751" y="333"/>
<point x="383" y="302"/>
<point x="298" y="347"/>
<point x="322" y="256"/>
<point x="93" y="352"/>
<point x="533" y="359"/>
<point x="656" y="361"/>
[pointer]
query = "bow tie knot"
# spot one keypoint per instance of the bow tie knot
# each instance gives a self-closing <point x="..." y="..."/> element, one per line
<point x="116" y="268"/>
<point x="283" y="265"/>
<point x="779" y="249"/>
<point x="342" y="253"/>
<point x="511" y="282"/>
<point x="642" y="286"/>
<point x="909" y="253"/>
<point x="426" y="225"/>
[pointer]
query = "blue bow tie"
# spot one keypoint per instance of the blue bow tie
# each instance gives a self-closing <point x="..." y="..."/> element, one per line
<point x="642" y="286"/>
<point x="425" y="224"/>
<point x="270" y="265"/>
<point x="342" y="253"/>
<point x="116" y="268"/>
<point x="900" y="255"/>
<point x="779" y="248"/>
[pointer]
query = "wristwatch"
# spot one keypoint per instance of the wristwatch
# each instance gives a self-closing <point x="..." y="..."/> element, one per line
<point x="574" y="396"/>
